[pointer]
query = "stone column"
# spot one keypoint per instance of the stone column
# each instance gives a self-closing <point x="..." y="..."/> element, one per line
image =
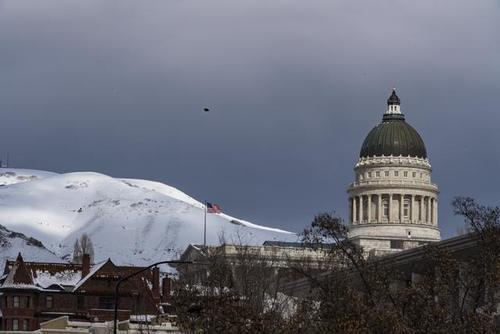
<point x="431" y="203"/>
<point x="435" y="212"/>
<point x="427" y="210"/>
<point x="421" y="210"/>
<point x="361" y="209"/>
<point x="369" y="208"/>
<point x="389" y="216"/>
<point x="401" y="216"/>
<point x="353" y="205"/>
<point x="379" y="206"/>
<point x="412" y="209"/>
<point x="355" y="209"/>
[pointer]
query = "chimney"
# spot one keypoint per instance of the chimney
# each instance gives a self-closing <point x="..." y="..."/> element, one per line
<point x="85" y="265"/>
<point x="165" y="289"/>
<point x="156" y="281"/>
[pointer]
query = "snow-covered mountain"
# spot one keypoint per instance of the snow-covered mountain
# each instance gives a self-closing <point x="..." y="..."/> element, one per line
<point x="11" y="243"/>
<point x="130" y="221"/>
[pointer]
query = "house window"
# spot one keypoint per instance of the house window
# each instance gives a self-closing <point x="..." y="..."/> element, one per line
<point x="397" y="244"/>
<point x="26" y="302"/>
<point x="15" y="324"/>
<point x="49" y="301"/>
<point x="80" y="302"/>
<point x="396" y="173"/>
<point x="15" y="301"/>
<point x="106" y="303"/>
<point x="386" y="173"/>
<point x="25" y="324"/>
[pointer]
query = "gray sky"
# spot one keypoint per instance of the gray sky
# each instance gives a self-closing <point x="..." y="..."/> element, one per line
<point x="118" y="87"/>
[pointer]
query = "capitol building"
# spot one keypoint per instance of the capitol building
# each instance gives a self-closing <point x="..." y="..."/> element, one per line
<point x="393" y="203"/>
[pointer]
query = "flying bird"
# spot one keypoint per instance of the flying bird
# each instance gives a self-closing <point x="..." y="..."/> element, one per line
<point x="206" y="109"/>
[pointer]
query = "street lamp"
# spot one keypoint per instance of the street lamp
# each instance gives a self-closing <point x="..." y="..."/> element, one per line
<point x="117" y="288"/>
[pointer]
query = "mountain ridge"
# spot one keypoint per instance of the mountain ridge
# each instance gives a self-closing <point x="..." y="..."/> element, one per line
<point x="129" y="220"/>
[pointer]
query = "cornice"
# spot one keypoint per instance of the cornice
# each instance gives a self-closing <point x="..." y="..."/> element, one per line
<point x="390" y="161"/>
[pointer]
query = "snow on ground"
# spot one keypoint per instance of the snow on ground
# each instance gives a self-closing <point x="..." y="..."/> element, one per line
<point x="131" y="221"/>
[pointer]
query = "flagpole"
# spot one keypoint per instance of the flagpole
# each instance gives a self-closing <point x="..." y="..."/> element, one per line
<point x="205" y="227"/>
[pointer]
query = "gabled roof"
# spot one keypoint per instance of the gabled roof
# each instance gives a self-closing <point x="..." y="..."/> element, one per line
<point x="40" y="275"/>
<point x="20" y="274"/>
<point x="92" y="272"/>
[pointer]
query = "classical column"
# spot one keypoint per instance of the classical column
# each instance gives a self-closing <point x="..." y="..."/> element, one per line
<point x="427" y="210"/>
<point x="432" y="210"/>
<point x="369" y="208"/>
<point x="401" y="216"/>
<point x="412" y="209"/>
<point x="435" y="212"/>
<point x="361" y="209"/>
<point x="421" y="210"/>
<point x="355" y="209"/>
<point x="389" y="215"/>
<point x="353" y="212"/>
<point x="379" y="211"/>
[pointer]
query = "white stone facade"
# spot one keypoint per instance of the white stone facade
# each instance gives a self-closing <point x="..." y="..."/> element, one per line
<point x="393" y="204"/>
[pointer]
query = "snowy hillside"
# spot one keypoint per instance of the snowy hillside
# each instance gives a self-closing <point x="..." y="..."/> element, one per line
<point x="131" y="221"/>
<point x="11" y="243"/>
<point x="12" y="175"/>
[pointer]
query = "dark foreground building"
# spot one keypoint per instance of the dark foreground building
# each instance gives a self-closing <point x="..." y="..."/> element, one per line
<point x="34" y="292"/>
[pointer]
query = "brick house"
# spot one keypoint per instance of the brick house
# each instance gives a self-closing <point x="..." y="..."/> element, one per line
<point x="34" y="292"/>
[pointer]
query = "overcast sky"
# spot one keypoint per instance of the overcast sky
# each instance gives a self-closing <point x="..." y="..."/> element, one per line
<point x="118" y="87"/>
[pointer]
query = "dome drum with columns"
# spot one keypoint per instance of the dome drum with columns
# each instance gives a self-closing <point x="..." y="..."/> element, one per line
<point x="393" y="203"/>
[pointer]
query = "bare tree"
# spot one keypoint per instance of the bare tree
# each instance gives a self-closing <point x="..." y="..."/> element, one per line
<point x="83" y="246"/>
<point x="443" y="292"/>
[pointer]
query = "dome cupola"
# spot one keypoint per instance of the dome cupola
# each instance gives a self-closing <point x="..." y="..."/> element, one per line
<point x="393" y="99"/>
<point x="393" y="136"/>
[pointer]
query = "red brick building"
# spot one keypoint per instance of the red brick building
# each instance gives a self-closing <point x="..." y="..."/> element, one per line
<point x="34" y="292"/>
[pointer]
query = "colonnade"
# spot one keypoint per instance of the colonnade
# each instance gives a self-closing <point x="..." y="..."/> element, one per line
<point x="393" y="208"/>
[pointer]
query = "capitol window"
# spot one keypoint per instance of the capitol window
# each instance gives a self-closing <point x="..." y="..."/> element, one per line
<point x="405" y="174"/>
<point x="406" y="208"/>
<point x="385" y="208"/>
<point x="369" y="174"/>
<point x="396" y="173"/>
<point x="377" y="174"/>
<point x="414" y="174"/>
<point x="386" y="173"/>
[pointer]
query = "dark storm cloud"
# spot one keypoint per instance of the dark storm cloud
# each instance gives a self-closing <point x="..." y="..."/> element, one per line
<point x="294" y="86"/>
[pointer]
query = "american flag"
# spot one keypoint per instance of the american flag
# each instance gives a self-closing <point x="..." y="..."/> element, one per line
<point x="213" y="208"/>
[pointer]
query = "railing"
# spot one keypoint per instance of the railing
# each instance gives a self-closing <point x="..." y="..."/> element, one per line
<point x="393" y="182"/>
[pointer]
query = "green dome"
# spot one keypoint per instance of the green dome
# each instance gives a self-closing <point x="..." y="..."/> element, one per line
<point x="393" y="137"/>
